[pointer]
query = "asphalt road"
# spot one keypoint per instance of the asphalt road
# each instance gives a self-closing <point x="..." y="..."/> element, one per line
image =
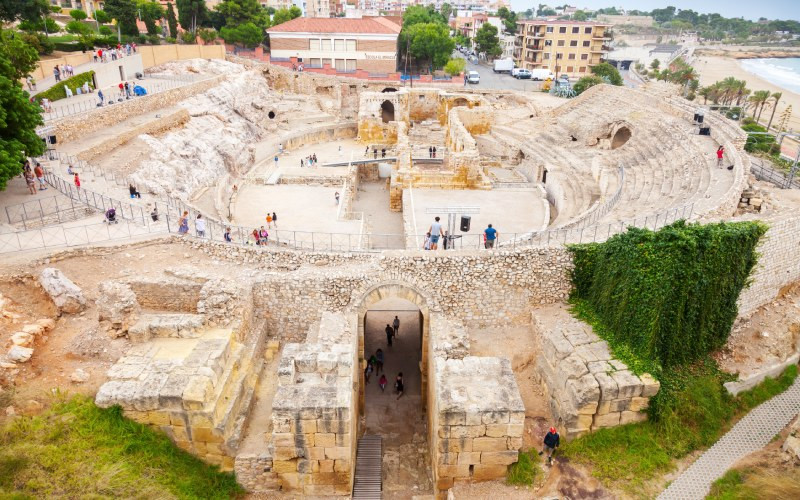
<point x="499" y="81"/>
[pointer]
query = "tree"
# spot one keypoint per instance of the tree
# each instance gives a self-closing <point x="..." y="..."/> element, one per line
<point x="78" y="14"/>
<point x="238" y="12"/>
<point x="150" y="12"/>
<point x="430" y="42"/>
<point x="486" y="41"/>
<point x="172" y="21"/>
<point x="580" y="15"/>
<point x="455" y="67"/>
<point x="124" y="11"/>
<point x="283" y="15"/>
<point x="605" y="70"/>
<point x="509" y="19"/>
<point x="758" y="99"/>
<point x="191" y="13"/>
<point x="446" y="10"/>
<point x="247" y="34"/>
<point x="43" y="24"/>
<point x="585" y="82"/>
<point x="776" y="96"/>
<point x="13" y="10"/>
<point x="102" y="17"/>
<point x="655" y="64"/>
<point x="18" y="116"/>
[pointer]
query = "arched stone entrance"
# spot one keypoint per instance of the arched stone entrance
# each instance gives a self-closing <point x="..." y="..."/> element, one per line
<point x="620" y="137"/>
<point x="387" y="111"/>
<point x="394" y="289"/>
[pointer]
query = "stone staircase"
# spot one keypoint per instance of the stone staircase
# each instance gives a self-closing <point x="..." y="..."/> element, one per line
<point x="368" y="482"/>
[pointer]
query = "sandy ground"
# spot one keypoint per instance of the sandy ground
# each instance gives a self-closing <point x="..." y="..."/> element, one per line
<point x="508" y="210"/>
<point x="713" y="69"/>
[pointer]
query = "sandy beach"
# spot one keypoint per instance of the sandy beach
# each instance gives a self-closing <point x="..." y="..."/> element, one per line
<point x="712" y="69"/>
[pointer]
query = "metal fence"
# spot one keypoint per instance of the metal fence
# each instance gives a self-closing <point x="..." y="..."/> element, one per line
<point x="41" y="212"/>
<point x="61" y="236"/>
<point x="61" y="109"/>
<point x="766" y="173"/>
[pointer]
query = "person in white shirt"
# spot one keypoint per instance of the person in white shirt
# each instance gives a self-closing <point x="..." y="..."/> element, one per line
<point x="200" y="226"/>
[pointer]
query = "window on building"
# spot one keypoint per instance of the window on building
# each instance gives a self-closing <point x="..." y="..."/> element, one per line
<point x="586" y="43"/>
<point x="315" y="63"/>
<point x="559" y="55"/>
<point x="569" y="69"/>
<point x="571" y="57"/>
<point x="560" y="43"/>
<point x="588" y="30"/>
<point x="338" y="45"/>
<point x="548" y="43"/>
<point x="351" y="45"/>
<point x="340" y="65"/>
<point x="562" y="29"/>
<point x="351" y="64"/>
<point x="547" y="55"/>
<point x="325" y="45"/>
<point x="573" y="43"/>
<point x="313" y="44"/>
<point x="582" y="69"/>
<point x="549" y="29"/>
<point x="584" y="57"/>
<point x="576" y="29"/>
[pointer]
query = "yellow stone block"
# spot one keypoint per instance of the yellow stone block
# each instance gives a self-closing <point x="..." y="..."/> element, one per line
<point x="284" y="466"/>
<point x="485" y="472"/>
<point x="316" y="453"/>
<point x="205" y="434"/>
<point x="337" y="453"/>
<point x="158" y="417"/>
<point x="489" y="444"/>
<point x="325" y="440"/>
<point x="342" y="465"/>
<point x="453" y="470"/>
<point x="326" y="465"/>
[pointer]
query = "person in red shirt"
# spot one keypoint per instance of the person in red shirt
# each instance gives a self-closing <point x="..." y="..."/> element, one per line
<point x="77" y="181"/>
<point x="720" y="154"/>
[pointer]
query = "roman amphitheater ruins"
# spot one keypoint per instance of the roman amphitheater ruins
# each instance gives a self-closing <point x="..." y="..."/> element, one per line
<point x="253" y="356"/>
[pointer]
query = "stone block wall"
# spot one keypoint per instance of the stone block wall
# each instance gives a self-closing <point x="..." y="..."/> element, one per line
<point x="167" y="294"/>
<point x="588" y="388"/>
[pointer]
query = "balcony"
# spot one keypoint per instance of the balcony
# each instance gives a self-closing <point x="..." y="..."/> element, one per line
<point x="603" y="36"/>
<point x="535" y="47"/>
<point x="518" y="41"/>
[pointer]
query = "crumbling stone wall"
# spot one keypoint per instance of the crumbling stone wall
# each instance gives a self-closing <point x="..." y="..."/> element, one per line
<point x="166" y="294"/>
<point x="588" y="388"/>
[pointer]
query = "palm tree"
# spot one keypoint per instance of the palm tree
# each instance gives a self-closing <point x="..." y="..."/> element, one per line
<point x="705" y="92"/>
<point x="777" y="96"/>
<point x="759" y="98"/>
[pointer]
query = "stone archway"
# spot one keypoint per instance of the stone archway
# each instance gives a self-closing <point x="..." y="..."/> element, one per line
<point x="387" y="111"/>
<point x="620" y="137"/>
<point x="460" y="102"/>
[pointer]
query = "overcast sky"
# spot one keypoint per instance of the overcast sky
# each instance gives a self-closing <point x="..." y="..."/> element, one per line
<point x="771" y="9"/>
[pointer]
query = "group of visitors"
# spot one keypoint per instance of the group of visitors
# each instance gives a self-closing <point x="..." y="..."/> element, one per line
<point x="272" y="220"/>
<point x="37" y="173"/>
<point x="199" y="224"/>
<point x="126" y="89"/>
<point x="375" y="364"/>
<point x="114" y="53"/>
<point x="297" y="67"/>
<point x="436" y="231"/>
<point x="65" y="70"/>
<point x="308" y="161"/>
<point x="432" y="152"/>
<point x="260" y="236"/>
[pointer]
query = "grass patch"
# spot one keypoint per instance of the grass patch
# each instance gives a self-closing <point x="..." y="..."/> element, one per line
<point x="695" y="410"/>
<point x="76" y="449"/>
<point x="527" y="471"/>
<point x="57" y="91"/>
<point x="756" y="483"/>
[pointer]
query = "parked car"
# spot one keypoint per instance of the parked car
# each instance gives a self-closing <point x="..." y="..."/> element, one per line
<point x="542" y="74"/>
<point x="523" y="74"/>
<point x="473" y="77"/>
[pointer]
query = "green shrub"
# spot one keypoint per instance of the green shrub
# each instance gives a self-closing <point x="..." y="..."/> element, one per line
<point x="207" y="35"/>
<point x="38" y="25"/>
<point x="171" y="39"/>
<point x="78" y="14"/>
<point x="669" y="296"/>
<point x="101" y="17"/>
<point x="55" y="9"/>
<point x="105" y="31"/>
<point x="38" y="41"/>
<point x="455" y="67"/>
<point x="757" y="143"/>
<point x="188" y="37"/>
<point x="67" y="46"/>
<point x="57" y="91"/>
<point x="586" y="82"/>
<point x="153" y="40"/>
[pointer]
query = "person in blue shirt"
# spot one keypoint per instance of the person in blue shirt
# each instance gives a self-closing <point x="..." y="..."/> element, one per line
<point x="490" y="236"/>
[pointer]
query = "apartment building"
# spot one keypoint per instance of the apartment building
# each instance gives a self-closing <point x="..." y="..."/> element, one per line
<point x="469" y="26"/>
<point x="563" y="47"/>
<point x="368" y="44"/>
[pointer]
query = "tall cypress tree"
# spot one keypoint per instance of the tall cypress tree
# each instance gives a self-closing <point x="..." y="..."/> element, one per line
<point x="172" y="21"/>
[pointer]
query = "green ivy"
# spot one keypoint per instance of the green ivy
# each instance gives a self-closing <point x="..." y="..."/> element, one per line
<point x="57" y="91"/>
<point x="669" y="296"/>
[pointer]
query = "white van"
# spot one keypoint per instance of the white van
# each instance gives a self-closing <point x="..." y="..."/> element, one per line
<point x="473" y="77"/>
<point x="542" y="74"/>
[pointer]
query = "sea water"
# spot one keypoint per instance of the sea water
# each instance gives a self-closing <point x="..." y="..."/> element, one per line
<point x="781" y="72"/>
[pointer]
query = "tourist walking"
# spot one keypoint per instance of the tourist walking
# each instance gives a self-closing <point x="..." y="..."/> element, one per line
<point x="30" y="182"/>
<point x="398" y="385"/>
<point x="255" y="236"/>
<point x="263" y="236"/>
<point x="373" y="362"/>
<point x="434" y="151"/>
<point x="183" y="224"/>
<point x="77" y="181"/>
<point x="39" y="171"/>
<point x="396" y="326"/>
<point x="720" y="154"/>
<point x="227" y="235"/>
<point x="383" y="153"/>
<point x="551" y="442"/>
<point x="426" y="245"/>
<point x="57" y="73"/>
<point x="276" y="160"/>
<point x="367" y="372"/>
<point x="379" y="361"/>
<point x="200" y="226"/>
<point x="154" y="214"/>
<point x="489" y="237"/>
<point x="275" y="220"/>
<point x="435" y="232"/>
<point x="269" y="219"/>
<point x="337" y="197"/>
<point x="389" y="334"/>
<point x="101" y="97"/>
<point x="430" y="151"/>
<point x="302" y="164"/>
<point x="382" y="382"/>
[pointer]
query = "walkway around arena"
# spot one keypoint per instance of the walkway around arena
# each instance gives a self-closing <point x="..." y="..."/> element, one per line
<point x="750" y="434"/>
